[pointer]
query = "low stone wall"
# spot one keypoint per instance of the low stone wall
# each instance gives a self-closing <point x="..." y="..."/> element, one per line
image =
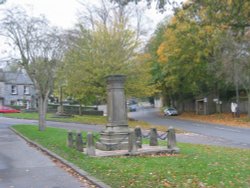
<point x="75" y="110"/>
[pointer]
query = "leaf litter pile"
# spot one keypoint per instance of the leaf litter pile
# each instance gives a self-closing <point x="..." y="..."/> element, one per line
<point x="223" y="118"/>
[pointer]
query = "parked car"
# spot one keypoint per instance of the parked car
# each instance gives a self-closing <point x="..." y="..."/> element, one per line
<point x="132" y="107"/>
<point x="170" y="111"/>
<point x="6" y="109"/>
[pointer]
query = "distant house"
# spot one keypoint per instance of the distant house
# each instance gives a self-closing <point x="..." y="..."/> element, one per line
<point x="16" y="88"/>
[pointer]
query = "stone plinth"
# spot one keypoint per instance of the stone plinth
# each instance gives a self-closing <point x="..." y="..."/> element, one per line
<point x="115" y="136"/>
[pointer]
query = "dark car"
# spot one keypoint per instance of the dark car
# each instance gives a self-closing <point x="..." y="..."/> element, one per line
<point x="6" y="109"/>
<point x="170" y="111"/>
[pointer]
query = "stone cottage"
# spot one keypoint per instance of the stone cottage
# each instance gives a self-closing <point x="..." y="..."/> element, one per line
<point x="16" y="88"/>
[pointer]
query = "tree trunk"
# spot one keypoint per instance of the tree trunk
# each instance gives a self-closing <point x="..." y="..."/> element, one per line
<point x="164" y="97"/>
<point x="80" y="109"/>
<point x="61" y="101"/>
<point x="42" y="113"/>
<point x="248" y="110"/>
<point x="237" y="93"/>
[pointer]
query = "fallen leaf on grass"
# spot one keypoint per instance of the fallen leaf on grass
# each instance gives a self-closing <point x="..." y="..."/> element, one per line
<point x="167" y="184"/>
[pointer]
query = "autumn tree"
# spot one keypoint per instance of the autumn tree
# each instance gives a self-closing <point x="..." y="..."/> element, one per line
<point x="152" y="57"/>
<point x="108" y="47"/>
<point x="229" y="14"/>
<point x="38" y="48"/>
<point x="101" y="53"/>
<point x="232" y="18"/>
<point x="185" y="52"/>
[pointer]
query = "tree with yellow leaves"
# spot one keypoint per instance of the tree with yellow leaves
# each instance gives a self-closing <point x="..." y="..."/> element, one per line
<point x="185" y="54"/>
<point x="107" y="48"/>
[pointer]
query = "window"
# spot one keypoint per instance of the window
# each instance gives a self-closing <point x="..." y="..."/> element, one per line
<point x="26" y="90"/>
<point x="19" y="102"/>
<point x="28" y="104"/>
<point x="1" y="89"/>
<point x="12" y="103"/>
<point x="13" y="90"/>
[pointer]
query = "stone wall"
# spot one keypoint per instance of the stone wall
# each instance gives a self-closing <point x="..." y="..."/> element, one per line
<point x="74" y="110"/>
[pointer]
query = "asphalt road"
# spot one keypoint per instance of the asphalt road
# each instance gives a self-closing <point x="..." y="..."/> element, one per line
<point x="226" y="135"/>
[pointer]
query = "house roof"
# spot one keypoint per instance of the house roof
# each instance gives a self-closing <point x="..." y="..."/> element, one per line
<point x="16" y="78"/>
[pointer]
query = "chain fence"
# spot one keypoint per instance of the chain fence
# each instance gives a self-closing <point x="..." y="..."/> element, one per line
<point x="146" y="135"/>
<point x="115" y="145"/>
<point x="162" y="136"/>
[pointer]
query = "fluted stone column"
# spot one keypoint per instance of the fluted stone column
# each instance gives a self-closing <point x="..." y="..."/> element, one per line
<point x="115" y="136"/>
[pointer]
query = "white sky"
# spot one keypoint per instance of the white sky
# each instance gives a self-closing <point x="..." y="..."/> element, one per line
<point x="63" y="13"/>
<point x="59" y="12"/>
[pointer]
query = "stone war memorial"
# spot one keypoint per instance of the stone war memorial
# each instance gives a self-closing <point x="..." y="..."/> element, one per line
<point x="117" y="138"/>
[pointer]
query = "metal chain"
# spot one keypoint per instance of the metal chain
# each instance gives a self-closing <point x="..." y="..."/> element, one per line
<point x="145" y="136"/>
<point x="163" y="136"/>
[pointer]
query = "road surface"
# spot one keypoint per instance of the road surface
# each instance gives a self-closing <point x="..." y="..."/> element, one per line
<point x="226" y="135"/>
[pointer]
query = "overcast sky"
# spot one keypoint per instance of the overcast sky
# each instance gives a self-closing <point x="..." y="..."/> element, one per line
<point x="63" y="13"/>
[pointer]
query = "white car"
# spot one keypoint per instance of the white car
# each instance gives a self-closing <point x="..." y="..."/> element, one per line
<point x="170" y="111"/>
<point x="132" y="107"/>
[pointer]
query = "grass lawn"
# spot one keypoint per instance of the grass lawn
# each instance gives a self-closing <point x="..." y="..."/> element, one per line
<point x="85" y="119"/>
<point x="196" y="165"/>
<point x="49" y="116"/>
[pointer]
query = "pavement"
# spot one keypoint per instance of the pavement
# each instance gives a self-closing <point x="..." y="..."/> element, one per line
<point x="23" y="166"/>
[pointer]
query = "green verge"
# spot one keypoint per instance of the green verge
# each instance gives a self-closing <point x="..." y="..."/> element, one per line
<point x="85" y="119"/>
<point x="80" y="119"/>
<point x="196" y="165"/>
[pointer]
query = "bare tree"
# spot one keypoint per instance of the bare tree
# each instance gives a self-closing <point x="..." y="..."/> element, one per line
<point x="109" y="13"/>
<point x="93" y="14"/>
<point x="2" y="1"/>
<point x="39" y="50"/>
<point x="160" y="4"/>
<point x="234" y="55"/>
